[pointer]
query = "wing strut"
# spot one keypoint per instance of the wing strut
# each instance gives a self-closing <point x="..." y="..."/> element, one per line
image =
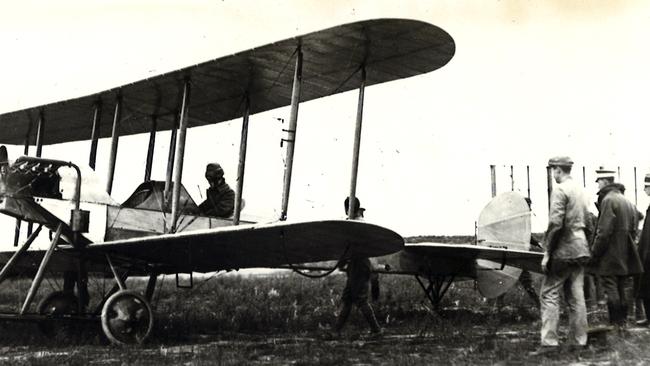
<point x="14" y="258"/>
<point x="40" y="133"/>
<point x="39" y="149"/>
<point x="25" y="152"/>
<point x="242" y="161"/>
<point x="180" y="154"/>
<point x="291" y="132"/>
<point x="357" y="145"/>
<point x="152" y="145"/>
<point x="94" y="135"/>
<point x="170" y="160"/>
<point x="115" y="138"/>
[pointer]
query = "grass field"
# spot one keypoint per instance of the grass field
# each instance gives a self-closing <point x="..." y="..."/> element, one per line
<point x="285" y="319"/>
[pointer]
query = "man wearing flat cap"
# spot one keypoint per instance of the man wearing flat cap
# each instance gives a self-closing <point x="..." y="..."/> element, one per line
<point x="644" y="254"/>
<point x="220" y="198"/>
<point x="615" y="257"/>
<point x="566" y="253"/>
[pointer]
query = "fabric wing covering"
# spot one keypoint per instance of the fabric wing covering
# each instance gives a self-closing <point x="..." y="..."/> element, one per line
<point x="391" y="49"/>
<point x="265" y="245"/>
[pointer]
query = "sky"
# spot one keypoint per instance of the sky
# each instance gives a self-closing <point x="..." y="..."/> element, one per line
<point x="529" y="80"/>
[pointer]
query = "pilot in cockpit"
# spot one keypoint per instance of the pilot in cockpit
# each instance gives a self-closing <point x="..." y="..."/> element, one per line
<point x="220" y="198"/>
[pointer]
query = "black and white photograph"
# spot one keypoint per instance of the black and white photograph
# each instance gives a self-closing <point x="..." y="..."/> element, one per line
<point x="345" y="182"/>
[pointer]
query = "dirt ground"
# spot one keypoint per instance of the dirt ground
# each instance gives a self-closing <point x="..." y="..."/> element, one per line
<point x="287" y="320"/>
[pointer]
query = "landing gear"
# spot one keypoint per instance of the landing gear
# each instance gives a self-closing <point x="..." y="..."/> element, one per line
<point x="56" y="306"/>
<point x="127" y="318"/>
<point x="436" y="289"/>
<point x="126" y="315"/>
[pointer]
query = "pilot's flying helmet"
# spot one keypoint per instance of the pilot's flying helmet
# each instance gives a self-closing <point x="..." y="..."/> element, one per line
<point x="213" y="171"/>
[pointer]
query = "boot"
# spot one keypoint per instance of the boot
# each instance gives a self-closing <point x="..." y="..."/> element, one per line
<point x="646" y="305"/>
<point x="624" y="313"/>
<point x="612" y="311"/>
<point x="639" y="314"/>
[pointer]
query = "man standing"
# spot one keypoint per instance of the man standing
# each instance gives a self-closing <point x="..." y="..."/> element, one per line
<point x="359" y="272"/>
<point x="566" y="253"/>
<point x="220" y="200"/>
<point x="615" y="257"/>
<point x="644" y="254"/>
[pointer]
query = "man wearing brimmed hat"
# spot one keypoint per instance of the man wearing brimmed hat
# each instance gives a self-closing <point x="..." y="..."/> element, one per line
<point x="220" y="198"/>
<point x="614" y="255"/>
<point x="566" y="253"/>
<point x="643" y="291"/>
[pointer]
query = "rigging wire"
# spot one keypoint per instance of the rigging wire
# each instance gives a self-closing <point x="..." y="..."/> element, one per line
<point x="305" y="274"/>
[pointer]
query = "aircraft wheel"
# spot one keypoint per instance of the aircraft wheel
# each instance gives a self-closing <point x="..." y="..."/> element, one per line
<point x="127" y="318"/>
<point x="56" y="305"/>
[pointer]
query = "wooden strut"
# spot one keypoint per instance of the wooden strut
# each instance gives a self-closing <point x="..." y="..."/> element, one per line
<point x="636" y="189"/>
<point x="150" y="148"/>
<point x="113" y="289"/>
<point x="41" y="270"/>
<point x="180" y="155"/>
<point x="6" y="269"/>
<point x="512" y="178"/>
<point x="549" y="184"/>
<point x="118" y="278"/>
<point x="170" y="162"/>
<point x="151" y="286"/>
<point x="241" y="168"/>
<point x="94" y="136"/>
<point x="115" y="139"/>
<point x="291" y="133"/>
<point x="528" y="179"/>
<point x="40" y="134"/>
<point x="25" y="152"/>
<point x="493" y="180"/>
<point x="436" y="289"/>
<point x="352" y="209"/>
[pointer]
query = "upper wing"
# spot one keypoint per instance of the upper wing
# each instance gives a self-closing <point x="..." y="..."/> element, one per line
<point x="260" y="245"/>
<point x="390" y="49"/>
<point x="500" y="256"/>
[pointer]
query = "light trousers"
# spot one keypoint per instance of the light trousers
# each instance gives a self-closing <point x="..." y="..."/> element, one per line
<point x="570" y="278"/>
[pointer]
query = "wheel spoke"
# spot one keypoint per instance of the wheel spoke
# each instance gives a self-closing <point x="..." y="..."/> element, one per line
<point x="127" y="318"/>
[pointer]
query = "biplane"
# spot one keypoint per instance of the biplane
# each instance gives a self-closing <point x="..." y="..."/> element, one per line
<point x="495" y="260"/>
<point x="159" y="229"/>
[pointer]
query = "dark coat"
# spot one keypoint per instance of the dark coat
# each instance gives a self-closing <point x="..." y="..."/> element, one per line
<point x="644" y="253"/>
<point x="613" y="250"/>
<point x="358" y="281"/>
<point x="220" y="201"/>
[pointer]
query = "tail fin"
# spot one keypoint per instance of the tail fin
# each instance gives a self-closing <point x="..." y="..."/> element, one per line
<point x="503" y="223"/>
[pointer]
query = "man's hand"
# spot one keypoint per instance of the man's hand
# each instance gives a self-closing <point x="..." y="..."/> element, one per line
<point x="545" y="261"/>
